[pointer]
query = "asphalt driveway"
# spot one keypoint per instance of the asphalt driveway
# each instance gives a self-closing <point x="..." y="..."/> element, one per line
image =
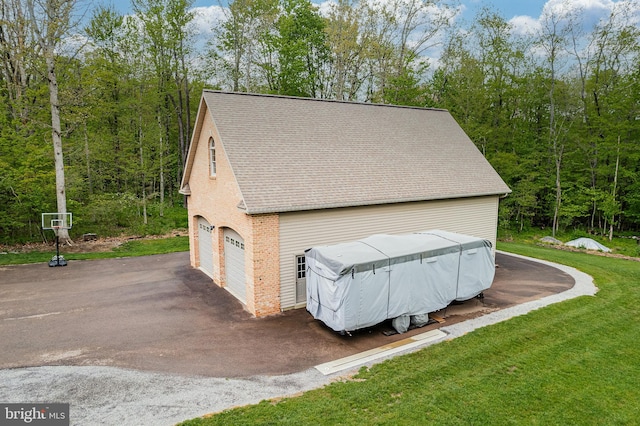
<point x="149" y="341"/>
<point x="156" y="313"/>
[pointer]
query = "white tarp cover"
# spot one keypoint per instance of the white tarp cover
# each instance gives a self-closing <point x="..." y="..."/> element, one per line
<point x="362" y="283"/>
<point x="588" y="243"/>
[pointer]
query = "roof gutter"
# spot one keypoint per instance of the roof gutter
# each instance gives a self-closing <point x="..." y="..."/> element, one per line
<point x="292" y="209"/>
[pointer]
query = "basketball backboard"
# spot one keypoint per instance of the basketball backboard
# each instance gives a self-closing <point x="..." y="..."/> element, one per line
<point x="57" y="221"/>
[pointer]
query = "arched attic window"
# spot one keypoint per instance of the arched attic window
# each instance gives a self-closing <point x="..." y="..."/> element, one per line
<point x="212" y="157"/>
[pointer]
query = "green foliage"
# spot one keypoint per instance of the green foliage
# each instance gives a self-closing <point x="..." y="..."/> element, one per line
<point x="114" y="214"/>
<point x="301" y="48"/>
<point x="126" y="113"/>
<point x="27" y="181"/>
<point x="112" y="210"/>
<point x="563" y="138"/>
<point x="563" y="143"/>
<point x="406" y="88"/>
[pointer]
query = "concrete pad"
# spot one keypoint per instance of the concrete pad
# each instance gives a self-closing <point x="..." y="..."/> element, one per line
<point x="361" y="358"/>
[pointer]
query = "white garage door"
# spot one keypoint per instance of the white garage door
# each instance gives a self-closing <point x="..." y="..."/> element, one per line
<point x="205" y="247"/>
<point x="234" y="264"/>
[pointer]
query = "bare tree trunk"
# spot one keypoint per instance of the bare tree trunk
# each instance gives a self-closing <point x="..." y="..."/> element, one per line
<point x="87" y="157"/>
<point x="553" y="137"/>
<point x="56" y="133"/>
<point x="49" y="27"/>
<point x="144" y="176"/>
<point x="615" y="187"/>
<point x="552" y="39"/>
<point x="161" y="168"/>
<point x="556" y="210"/>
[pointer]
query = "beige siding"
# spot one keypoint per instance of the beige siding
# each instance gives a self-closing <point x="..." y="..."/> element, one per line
<point x="302" y="230"/>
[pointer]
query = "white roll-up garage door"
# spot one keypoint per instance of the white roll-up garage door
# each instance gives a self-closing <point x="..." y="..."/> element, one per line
<point x="205" y="246"/>
<point x="234" y="264"/>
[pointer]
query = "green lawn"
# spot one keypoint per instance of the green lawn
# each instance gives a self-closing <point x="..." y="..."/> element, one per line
<point x="131" y="248"/>
<point x="572" y="363"/>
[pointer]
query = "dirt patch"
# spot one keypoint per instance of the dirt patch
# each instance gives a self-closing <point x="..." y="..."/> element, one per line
<point x="79" y="245"/>
<point x="595" y="252"/>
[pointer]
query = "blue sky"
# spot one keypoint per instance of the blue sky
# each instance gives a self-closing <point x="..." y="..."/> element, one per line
<point x="507" y="8"/>
<point x="523" y="15"/>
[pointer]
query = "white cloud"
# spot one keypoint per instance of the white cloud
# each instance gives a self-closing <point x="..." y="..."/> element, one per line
<point x="75" y="44"/>
<point x="325" y="7"/>
<point x="207" y="18"/>
<point x="524" y="25"/>
<point x="588" y="13"/>
<point x="599" y="8"/>
<point x="584" y="16"/>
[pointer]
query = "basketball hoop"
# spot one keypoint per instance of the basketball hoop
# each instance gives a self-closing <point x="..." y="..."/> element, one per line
<point x="56" y="222"/>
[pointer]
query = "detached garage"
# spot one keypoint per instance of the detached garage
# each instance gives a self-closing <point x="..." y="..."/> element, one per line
<point x="274" y="176"/>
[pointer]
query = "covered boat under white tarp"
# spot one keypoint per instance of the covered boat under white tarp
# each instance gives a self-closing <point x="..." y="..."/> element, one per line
<point x="587" y="243"/>
<point x="362" y="283"/>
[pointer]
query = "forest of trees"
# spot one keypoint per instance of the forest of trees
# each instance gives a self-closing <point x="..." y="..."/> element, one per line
<point x="97" y="108"/>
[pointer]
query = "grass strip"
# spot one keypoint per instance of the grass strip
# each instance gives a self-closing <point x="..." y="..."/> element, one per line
<point x="142" y="247"/>
<point x="575" y="362"/>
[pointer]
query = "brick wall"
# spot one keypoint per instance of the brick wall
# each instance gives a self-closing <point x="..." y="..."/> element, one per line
<point x="265" y="256"/>
<point x="216" y="199"/>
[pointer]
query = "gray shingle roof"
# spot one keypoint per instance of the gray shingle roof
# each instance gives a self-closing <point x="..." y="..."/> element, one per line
<point x="292" y="154"/>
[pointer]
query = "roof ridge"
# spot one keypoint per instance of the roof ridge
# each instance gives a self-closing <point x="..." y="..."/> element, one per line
<point x="300" y="98"/>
